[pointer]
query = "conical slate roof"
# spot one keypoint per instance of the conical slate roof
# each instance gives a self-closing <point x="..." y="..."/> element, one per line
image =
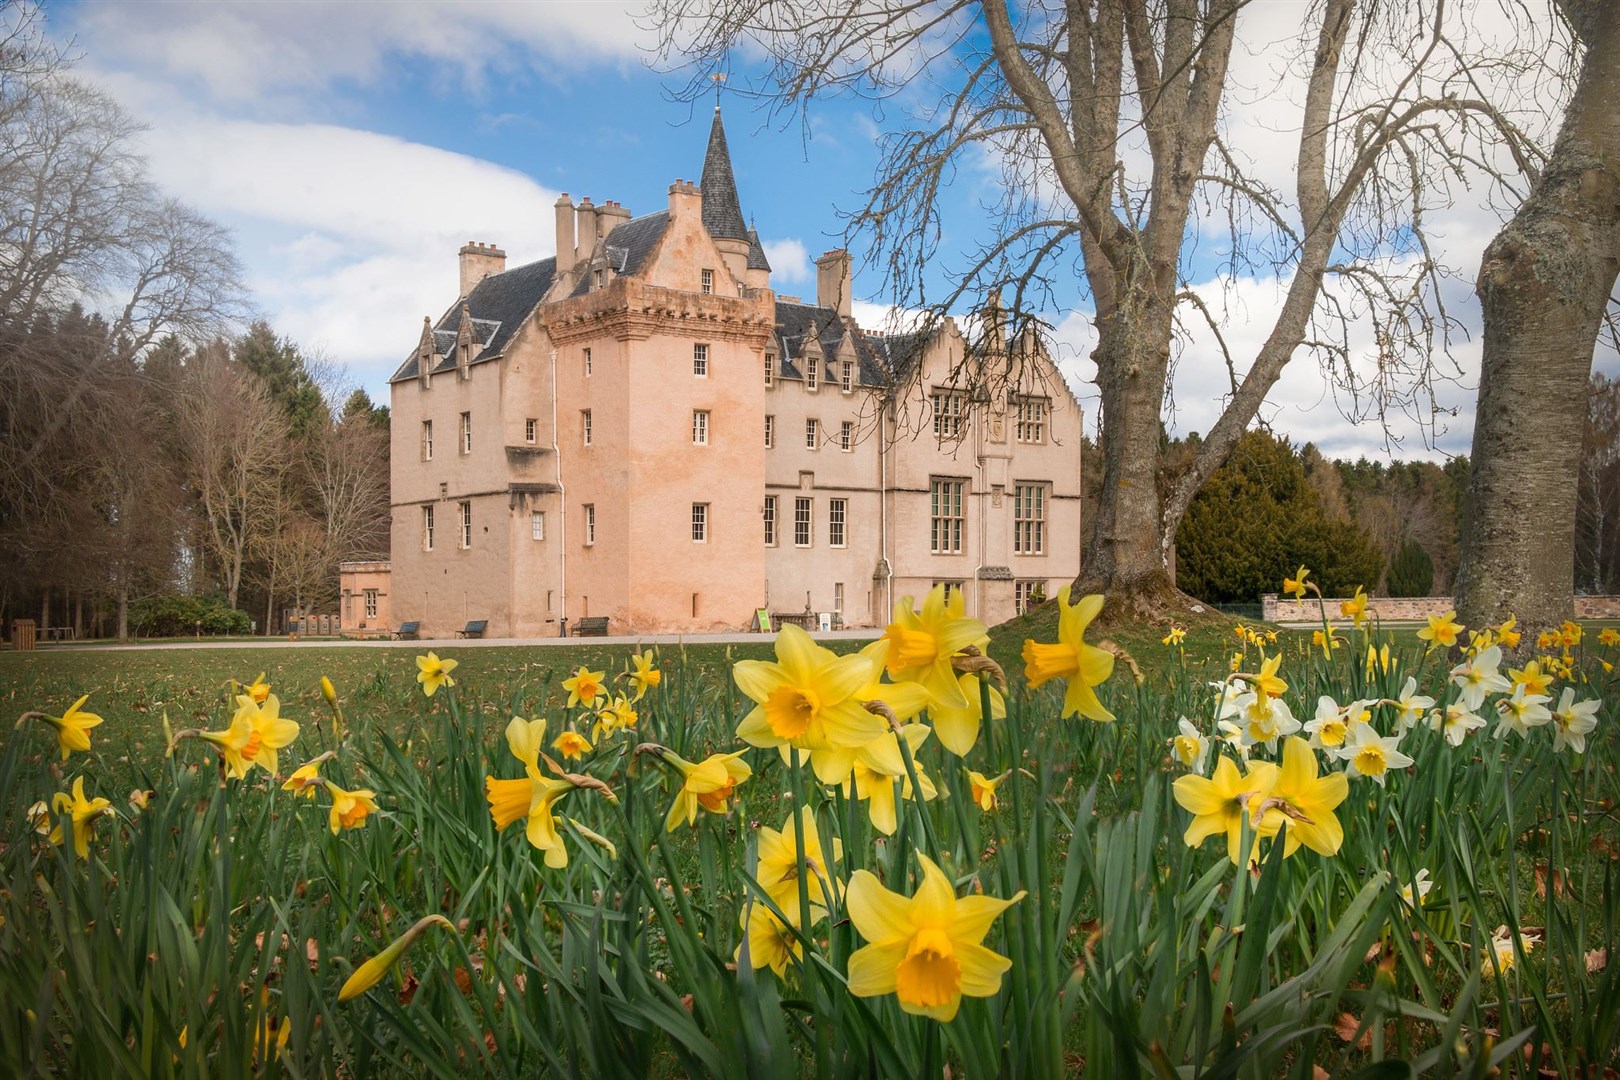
<point x="722" y="212"/>
<point x="756" y="252"/>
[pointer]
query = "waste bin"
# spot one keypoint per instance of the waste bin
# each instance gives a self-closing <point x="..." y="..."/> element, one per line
<point x="22" y="635"/>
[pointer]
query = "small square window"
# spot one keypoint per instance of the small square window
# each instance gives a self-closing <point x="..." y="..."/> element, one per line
<point x="700" y="360"/>
<point x="700" y="427"/>
<point x="531" y="427"/>
<point x="700" y="523"/>
<point x="371" y="603"/>
<point x="708" y="283"/>
<point x="537" y="525"/>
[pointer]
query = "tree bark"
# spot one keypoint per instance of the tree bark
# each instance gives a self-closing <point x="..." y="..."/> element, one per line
<point x="123" y="612"/>
<point x="1544" y="285"/>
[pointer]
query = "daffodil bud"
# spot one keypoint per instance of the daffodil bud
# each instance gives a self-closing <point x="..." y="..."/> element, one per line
<point x="328" y="691"/>
<point x="371" y="972"/>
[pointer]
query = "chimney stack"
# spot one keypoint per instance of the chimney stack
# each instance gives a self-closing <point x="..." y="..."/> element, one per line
<point x="478" y="261"/>
<point x="834" y="281"/>
<point x="586" y="221"/>
<point x="565" y="233"/>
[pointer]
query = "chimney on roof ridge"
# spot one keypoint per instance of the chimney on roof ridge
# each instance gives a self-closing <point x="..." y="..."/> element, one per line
<point x="478" y="261"/>
<point x="585" y="223"/>
<point x="564" y="216"/>
<point x="834" y="281"/>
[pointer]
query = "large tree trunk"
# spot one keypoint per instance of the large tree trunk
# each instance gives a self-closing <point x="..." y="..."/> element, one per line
<point x="1544" y="285"/>
<point x="123" y="612"/>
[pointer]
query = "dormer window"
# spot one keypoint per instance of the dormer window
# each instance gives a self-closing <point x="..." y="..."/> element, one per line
<point x="599" y="277"/>
<point x="846" y="378"/>
<point x="708" y="283"/>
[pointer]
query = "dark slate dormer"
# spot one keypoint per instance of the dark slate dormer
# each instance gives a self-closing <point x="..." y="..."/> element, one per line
<point x="484" y="321"/>
<point x="722" y="211"/>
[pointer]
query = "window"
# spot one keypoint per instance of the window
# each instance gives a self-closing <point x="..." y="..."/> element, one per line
<point x="770" y="370"/>
<point x="838" y="597"/>
<point x="700" y="427"/>
<point x="600" y="278"/>
<point x="537" y="525"/>
<point x="801" y="522"/>
<point x="531" y="427"/>
<point x="837" y="513"/>
<point x="466" y="433"/>
<point x="1030" y="423"/>
<point x="585" y="426"/>
<point x="945" y="516"/>
<point x="590" y="524"/>
<point x="587" y="363"/>
<point x="707" y="287"/>
<point x="950" y="587"/>
<point x="427" y="528"/>
<point x="1029" y="519"/>
<point x="810" y="434"/>
<point x="427" y="440"/>
<point x="846" y="436"/>
<point x="466" y="524"/>
<point x="700" y="523"/>
<point x="770" y="432"/>
<point x="948" y="409"/>
<point x="770" y="521"/>
<point x="812" y="373"/>
<point x="1028" y="594"/>
<point x="700" y="360"/>
<point x="371" y="603"/>
<point x="846" y="377"/>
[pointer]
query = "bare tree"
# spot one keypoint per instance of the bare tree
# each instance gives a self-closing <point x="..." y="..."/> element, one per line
<point x="1597" y="521"/>
<point x="1105" y="119"/>
<point x="1545" y="283"/>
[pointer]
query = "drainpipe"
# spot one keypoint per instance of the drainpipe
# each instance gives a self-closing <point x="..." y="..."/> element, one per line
<point x="984" y="513"/>
<point x="885" y="463"/>
<point x="562" y="503"/>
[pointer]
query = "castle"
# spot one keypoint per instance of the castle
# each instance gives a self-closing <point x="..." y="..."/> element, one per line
<point x="641" y="428"/>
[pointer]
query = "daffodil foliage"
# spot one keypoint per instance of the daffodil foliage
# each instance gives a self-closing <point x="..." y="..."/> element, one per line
<point x="948" y="848"/>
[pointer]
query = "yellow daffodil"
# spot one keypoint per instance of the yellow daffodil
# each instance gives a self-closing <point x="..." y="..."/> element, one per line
<point x="958" y="729"/>
<point x="1546" y="639"/>
<point x="256" y="733"/>
<point x="1442" y="630"/>
<point x="1379" y="660"/>
<point x="1371" y="755"/>
<point x="585" y="687"/>
<point x="1309" y="800"/>
<point x="1609" y="637"/>
<point x="1326" y="640"/>
<point x="646" y="675"/>
<point x="371" y="972"/>
<point x="926" y="949"/>
<point x="72" y="727"/>
<point x="141" y="798"/>
<point x="777" y="866"/>
<point x="306" y="779"/>
<point x="82" y="812"/>
<point x="1222" y="802"/>
<point x="571" y="744"/>
<point x="349" y="808"/>
<point x="258" y="689"/>
<point x="1082" y="666"/>
<point x="433" y="673"/>
<point x="1175" y="637"/>
<point x="807" y="697"/>
<point x="919" y="645"/>
<point x="1506" y="633"/>
<point x="1573" y="721"/>
<point x="709" y="784"/>
<point x="531" y="796"/>
<point x="879" y="768"/>
<point x="1532" y="678"/>
<point x="1570" y="633"/>
<point x="1355" y="608"/>
<point x="619" y="716"/>
<point x="770" y="942"/>
<point x="1295" y="586"/>
<point x="1267" y="682"/>
<point x="982" y="789"/>
<point x="328" y="691"/>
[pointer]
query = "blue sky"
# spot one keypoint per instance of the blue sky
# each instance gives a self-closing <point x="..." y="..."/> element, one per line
<point x="352" y="147"/>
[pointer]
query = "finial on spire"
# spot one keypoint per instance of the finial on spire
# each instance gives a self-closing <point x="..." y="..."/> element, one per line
<point x="718" y="78"/>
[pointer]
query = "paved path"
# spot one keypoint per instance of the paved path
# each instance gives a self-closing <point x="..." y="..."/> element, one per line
<point x="438" y="644"/>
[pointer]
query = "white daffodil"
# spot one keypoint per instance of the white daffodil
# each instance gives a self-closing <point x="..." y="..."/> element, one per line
<point x="1370" y="755"/>
<point x="1455" y="722"/>
<point x="1410" y="707"/>
<point x="1328" y="729"/>
<point x="1477" y="676"/>
<point x="1521" y="712"/>
<point x="1414" y="893"/>
<point x="1265" y="719"/>
<point x="1190" y="748"/>
<point x="1573" y="721"/>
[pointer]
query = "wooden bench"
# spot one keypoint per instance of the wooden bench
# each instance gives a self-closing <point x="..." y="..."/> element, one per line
<point x="474" y="629"/>
<point x="409" y="631"/>
<point x="591" y="626"/>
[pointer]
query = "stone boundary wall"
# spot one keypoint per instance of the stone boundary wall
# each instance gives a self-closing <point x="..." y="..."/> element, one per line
<point x="1274" y="608"/>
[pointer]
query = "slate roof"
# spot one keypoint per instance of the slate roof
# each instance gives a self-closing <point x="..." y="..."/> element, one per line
<point x="628" y="246"/>
<point x="756" y="252"/>
<point x="722" y="212"/>
<point x="879" y="358"/>
<point x="498" y="305"/>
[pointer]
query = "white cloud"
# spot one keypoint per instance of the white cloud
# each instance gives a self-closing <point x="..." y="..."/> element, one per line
<point x="789" y="260"/>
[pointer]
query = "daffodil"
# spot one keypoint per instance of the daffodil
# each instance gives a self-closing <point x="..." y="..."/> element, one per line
<point x="1265" y="719"/>
<point x="306" y="779"/>
<point x="1326" y="640"/>
<point x="1413" y="895"/>
<point x="880" y="768"/>
<point x="982" y="789"/>
<point x="531" y="796"/>
<point x="1371" y="755"/>
<point x="777" y="865"/>
<point x="1573" y="721"/>
<point x="585" y="687"/>
<point x="371" y="972"/>
<point x="72" y="727"/>
<point x="1379" y="659"/>
<point x="958" y="729"/>
<point x="1570" y="633"/>
<point x="81" y="812"/>
<point x="256" y="733"/>
<point x="620" y="715"/>
<point x="1503" y="955"/>
<point x="1506" y="633"/>
<point x="1442" y="630"/>
<point x="926" y="949"/>
<point x="768" y="941"/>
<point x="1082" y="666"/>
<point x="1477" y="676"/>
<point x="1266" y="681"/>
<point x="571" y="744"/>
<point x="349" y="808"/>
<point x="39" y="817"/>
<point x="1295" y="586"/>
<point x="258" y="689"/>
<point x="1532" y="678"/>
<point x="1222" y="802"/>
<point x="919" y="645"/>
<point x="806" y="698"/>
<point x="645" y="675"/>
<point x="1455" y="722"/>
<point x="1355" y="608"/>
<point x="328" y="691"/>
<point x="709" y="784"/>
<point x="1521" y="711"/>
<point x="433" y="673"/>
<point x="1190" y="747"/>
<point x="1328" y="729"/>
<point x="1307" y="803"/>
<point x="1176" y="636"/>
<point x="1410" y="707"/>
<point x="1609" y="637"/>
<point x="1231" y="734"/>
